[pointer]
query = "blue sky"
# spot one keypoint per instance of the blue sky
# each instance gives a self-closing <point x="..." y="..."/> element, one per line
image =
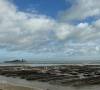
<point x="47" y="7"/>
<point x="44" y="30"/>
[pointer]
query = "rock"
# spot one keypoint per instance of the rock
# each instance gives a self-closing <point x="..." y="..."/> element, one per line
<point x="23" y="60"/>
<point x="74" y="85"/>
<point x="74" y="73"/>
<point x="15" y="61"/>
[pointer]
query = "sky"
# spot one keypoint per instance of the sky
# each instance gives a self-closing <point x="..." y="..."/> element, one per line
<point x="49" y="30"/>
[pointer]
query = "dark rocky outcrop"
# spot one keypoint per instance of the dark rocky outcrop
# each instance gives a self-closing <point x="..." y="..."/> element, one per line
<point x="23" y="60"/>
<point x="16" y="61"/>
<point x="75" y="76"/>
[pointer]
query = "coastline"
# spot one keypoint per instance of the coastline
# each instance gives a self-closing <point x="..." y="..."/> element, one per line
<point x="9" y="86"/>
<point x="55" y="77"/>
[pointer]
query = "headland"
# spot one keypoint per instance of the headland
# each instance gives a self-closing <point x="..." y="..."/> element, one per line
<point x="16" y="61"/>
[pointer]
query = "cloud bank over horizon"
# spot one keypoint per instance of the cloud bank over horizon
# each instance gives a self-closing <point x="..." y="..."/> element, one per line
<point x="39" y="33"/>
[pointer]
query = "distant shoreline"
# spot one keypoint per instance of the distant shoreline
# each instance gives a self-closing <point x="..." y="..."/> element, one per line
<point x="51" y="62"/>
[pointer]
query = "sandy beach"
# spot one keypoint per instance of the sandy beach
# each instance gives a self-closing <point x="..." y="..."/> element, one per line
<point x="7" y="86"/>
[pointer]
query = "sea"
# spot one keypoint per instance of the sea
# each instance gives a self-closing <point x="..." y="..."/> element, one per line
<point x="53" y="63"/>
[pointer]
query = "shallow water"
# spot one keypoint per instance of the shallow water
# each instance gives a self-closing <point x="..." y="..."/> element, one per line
<point x="30" y="83"/>
<point x="34" y="65"/>
<point x="42" y="85"/>
<point x="47" y="64"/>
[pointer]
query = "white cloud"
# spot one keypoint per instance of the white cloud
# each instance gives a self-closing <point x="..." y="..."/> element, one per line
<point x="82" y="25"/>
<point x="97" y="48"/>
<point x="20" y="30"/>
<point x="38" y="33"/>
<point x="81" y="10"/>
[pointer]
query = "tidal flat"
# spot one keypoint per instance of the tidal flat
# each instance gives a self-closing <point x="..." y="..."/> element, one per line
<point x="62" y="77"/>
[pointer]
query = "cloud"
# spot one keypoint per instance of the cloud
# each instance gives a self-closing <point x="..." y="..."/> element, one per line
<point x="36" y="33"/>
<point x="81" y="33"/>
<point x="19" y="30"/>
<point x="81" y="10"/>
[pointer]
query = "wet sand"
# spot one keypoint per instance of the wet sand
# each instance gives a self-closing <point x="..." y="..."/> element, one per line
<point x="6" y="86"/>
